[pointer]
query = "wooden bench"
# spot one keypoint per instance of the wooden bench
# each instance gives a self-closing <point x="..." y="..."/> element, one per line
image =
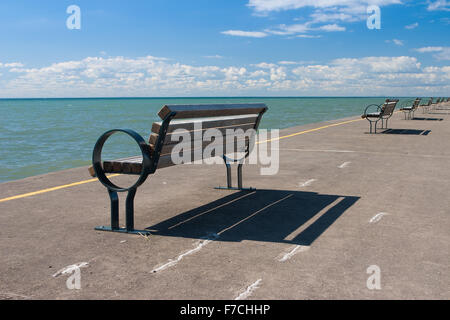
<point x="426" y="107"/>
<point x="434" y="104"/>
<point x="383" y="113"/>
<point x="157" y="153"/>
<point x="409" y="107"/>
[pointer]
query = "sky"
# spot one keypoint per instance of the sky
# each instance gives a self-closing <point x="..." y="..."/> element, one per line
<point x="171" y="48"/>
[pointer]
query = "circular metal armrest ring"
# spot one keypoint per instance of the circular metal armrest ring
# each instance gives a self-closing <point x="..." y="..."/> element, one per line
<point x="97" y="160"/>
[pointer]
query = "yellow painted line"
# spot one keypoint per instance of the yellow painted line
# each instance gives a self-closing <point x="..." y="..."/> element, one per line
<point x="310" y="130"/>
<point x="25" y="195"/>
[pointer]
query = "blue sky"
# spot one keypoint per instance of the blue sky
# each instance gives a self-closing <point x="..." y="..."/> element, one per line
<point x="224" y="48"/>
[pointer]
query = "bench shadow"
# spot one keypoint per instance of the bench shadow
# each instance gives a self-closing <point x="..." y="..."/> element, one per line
<point x="428" y="119"/>
<point x="282" y="216"/>
<point x="407" y="132"/>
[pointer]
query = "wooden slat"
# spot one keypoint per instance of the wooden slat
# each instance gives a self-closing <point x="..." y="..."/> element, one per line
<point x="389" y="107"/>
<point x="166" y="160"/>
<point x="168" y="139"/>
<point x="167" y="149"/>
<point x="133" y="165"/>
<point x="206" y="123"/>
<point x="210" y="110"/>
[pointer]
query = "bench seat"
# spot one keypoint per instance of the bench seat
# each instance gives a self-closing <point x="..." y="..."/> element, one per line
<point x="373" y="115"/>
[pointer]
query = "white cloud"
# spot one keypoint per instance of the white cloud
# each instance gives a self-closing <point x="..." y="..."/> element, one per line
<point x="440" y="53"/>
<point x="380" y="64"/>
<point x="331" y="28"/>
<point x="290" y="29"/>
<point x="277" y="74"/>
<point x="240" y="33"/>
<point x="152" y="76"/>
<point x="396" y="42"/>
<point x="327" y="15"/>
<point x="216" y="56"/>
<point x="281" y="5"/>
<point x="443" y="55"/>
<point x="321" y="16"/>
<point x="429" y="49"/>
<point x="308" y="36"/>
<point x="412" y="26"/>
<point x="439" y="5"/>
<point x="265" y="65"/>
<point x="295" y="29"/>
<point x="258" y="74"/>
<point x="287" y="62"/>
<point x="11" y="65"/>
<point x="234" y="73"/>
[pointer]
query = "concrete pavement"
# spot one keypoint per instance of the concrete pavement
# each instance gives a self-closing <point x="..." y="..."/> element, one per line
<point x="344" y="203"/>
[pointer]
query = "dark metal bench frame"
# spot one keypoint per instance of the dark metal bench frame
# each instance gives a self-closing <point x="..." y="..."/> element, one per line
<point x="426" y="107"/>
<point x="149" y="166"/>
<point x="384" y="114"/>
<point x="409" y="107"/>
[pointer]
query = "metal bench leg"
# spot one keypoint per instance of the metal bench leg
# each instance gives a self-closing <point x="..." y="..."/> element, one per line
<point x="114" y="209"/>
<point x="229" y="183"/>
<point x="129" y="218"/>
<point x="239" y="178"/>
<point x="129" y="210"/>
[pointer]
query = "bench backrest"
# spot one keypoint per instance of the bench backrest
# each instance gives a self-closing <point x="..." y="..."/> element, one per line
<point x="416" y="103"/>
<point x="388" y="107"/>
<point x="193" y="121"/>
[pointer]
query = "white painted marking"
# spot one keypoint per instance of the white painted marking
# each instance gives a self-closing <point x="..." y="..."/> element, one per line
<point x="345" y="164"/>
<point x="315" y="150"/>
<point x="71" y="268"/>
<point x="199" y="245"/>
<point x="248" y="292"/>
<point x="254" y="214"/>
<point x="307" y="183"/>
<point x="207" y="211"/>
<point x="9" y="295"/>
<point x="292" y="252"/>
<point x="377" y="217"/>
<point x="212" y="237"/>
<point x="375" y="153"/>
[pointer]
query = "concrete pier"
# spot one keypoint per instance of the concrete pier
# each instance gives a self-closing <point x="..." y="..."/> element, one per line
<point x="345" y="208"/>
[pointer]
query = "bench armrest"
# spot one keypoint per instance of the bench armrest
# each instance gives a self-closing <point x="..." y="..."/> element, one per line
<point x="407" y="104"/>
<point x="97" y="159"/>
<point x="370" y="106"/>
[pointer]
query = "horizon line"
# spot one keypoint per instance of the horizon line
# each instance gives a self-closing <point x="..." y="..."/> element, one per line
<point x="203" y="97"/>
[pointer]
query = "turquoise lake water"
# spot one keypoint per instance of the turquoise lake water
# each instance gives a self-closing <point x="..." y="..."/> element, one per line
<point x="43" y="135"/>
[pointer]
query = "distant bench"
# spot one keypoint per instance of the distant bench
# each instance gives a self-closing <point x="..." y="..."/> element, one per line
<point x="426" y="107"/>
<point x="409" y="107"/>
<point x="440" y="101"/>
<point x="157" y="153"/>
<point x="383" y="113"/>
